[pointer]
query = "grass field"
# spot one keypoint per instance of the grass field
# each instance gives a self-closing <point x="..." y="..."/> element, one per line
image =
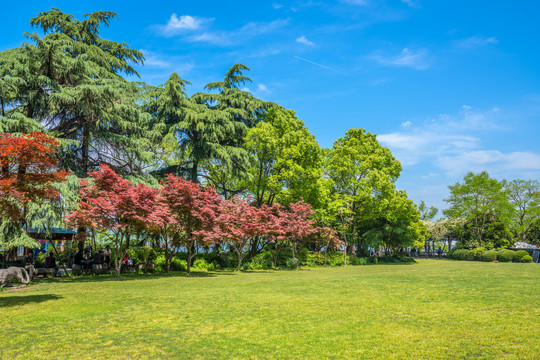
<point x="432" y="309"/>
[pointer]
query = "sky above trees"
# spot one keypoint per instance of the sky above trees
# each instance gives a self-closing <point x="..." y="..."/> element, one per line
<point x="449" y="87"/>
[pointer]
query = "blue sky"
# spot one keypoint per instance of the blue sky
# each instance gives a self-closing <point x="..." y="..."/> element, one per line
<point x="449" y="87"/>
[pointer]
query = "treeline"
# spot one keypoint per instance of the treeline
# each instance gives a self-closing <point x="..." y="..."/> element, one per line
<point x="69" y="85"/>
<point x="485" y="213"/>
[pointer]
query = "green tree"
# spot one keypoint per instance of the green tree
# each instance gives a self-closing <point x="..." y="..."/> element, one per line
<point x="363" y="173"/>
<point x="395" y="224"/>
<point x="524" y="195"/>
<point x="69" y="83"/>
<point x="231" y="177"/>
<point x="426" y="213"/>
<point x="478" y="199"/>
<point x="195" y="131"/>
<point x="287" y="160"/>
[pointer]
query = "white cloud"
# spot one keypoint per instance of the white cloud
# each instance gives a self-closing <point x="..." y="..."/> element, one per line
<point x="277" y="6"/>
<point x="157" y="63"/>
<point x="407" y="58"/>
<point x="193" y="29"/>
<point x="406" y="124"/>
<point x="247" y="31"/>
<point x="303" y="40"/>
<point x="182" y="24"/>
<point x="455" y="145"/>
<point x="262" y="87"/>
<point x="476" y="42"/>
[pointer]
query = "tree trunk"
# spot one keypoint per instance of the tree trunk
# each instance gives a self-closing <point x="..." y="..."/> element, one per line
<point x="190" y="255"/>
<point x="194" y="172"/>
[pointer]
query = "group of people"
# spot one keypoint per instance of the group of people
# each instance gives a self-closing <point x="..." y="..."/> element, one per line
<point x="88" y="258"/>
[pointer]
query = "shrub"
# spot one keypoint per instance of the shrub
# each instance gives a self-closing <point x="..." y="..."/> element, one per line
<point x="478" y="252"/>
<point x="489" y="256"/>
<point x="178" y="264"/>
<point x="202" y="264"/>
<point x="505" y="255"/>
<point x="261" y="261"/>
<point x="354" y="260"/>
<point x="335" y="260"/>
<point x="302" y="254"/>
<point x="527" y="259"/>
<point x="519" y="255"/>
<point x="463" y="254"/>
<point x="160" y="263"/>
<point x="293" y="263"/>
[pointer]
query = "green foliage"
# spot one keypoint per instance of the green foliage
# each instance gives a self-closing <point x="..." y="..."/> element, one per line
<point x="426" y="213"/>
<point x="477" y="253"/>
<point x="505" y="255"/>
<point x="293" y="263"/>
<point x="178" y="264"/>
<point x="479" y="199"/>
<point x="526" y="259"/>
<point x="69" y="83"/>
<point x="355" y="260"/>
<point x="462" y="254"/>
<point x="202" y="264"/>
<point x="262" y="261"/>
<point x="525" y="198"/>
<point x="489" y="256"/>
<point x="287" y="160"/>
<point x="519" y="255"/>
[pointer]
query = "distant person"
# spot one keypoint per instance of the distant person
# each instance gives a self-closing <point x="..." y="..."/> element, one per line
<point x="107" y="254"/>
<point x="50" y="263"/>
<point x="98" y="257"/>
<point x="87" y="260"/>
<point x="439" y="252"/>
<point x="89" y="249"/>
<point x="77" y="259"/>
<point x="127" y="262"/>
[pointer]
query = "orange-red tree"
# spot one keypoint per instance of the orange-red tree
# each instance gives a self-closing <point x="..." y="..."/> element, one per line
<point x="28" y="171"/>
<point x="114" y="207"/>
<point x="194" y="211"/>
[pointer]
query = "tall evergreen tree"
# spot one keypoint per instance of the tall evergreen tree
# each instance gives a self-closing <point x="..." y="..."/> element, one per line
<point x="69" y="83"/>
<point x="200" y="132"/>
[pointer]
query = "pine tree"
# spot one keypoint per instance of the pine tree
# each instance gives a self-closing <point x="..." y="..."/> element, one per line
<point x="69" y="83"/>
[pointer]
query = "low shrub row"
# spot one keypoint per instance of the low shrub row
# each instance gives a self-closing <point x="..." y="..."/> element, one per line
<point x="155" y="261"/>
<point x="481" y="254"/>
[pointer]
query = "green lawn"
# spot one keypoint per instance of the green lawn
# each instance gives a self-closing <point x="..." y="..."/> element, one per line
<point x="432" y="309"/>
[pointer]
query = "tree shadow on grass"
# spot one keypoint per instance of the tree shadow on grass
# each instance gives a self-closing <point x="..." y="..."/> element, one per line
<point x="15" y="300"/>
<point x="131" y="277"/>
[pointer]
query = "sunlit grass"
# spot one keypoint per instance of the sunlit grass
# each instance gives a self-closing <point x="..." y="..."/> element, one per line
<point x="432" y="309"/>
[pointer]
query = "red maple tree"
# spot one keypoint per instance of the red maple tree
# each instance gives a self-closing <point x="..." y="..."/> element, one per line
<point x="28" y="171"/>
<point x="195" y="212"/>
<point x="115" y="207"/>
<point x="242" y="224"/>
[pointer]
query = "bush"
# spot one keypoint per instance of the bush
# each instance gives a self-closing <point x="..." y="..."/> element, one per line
<point x="335" y="260"/>
<point x="489" y="256"/>
<point x="302" y="255"/>
<point x="462" y="254"/>
<point x="160" y="263"/>
<point x="527" y="259"/>
<point x="519" y="255"/>
<point x="202" y="264"/>
<point x="261" y="261"/>
<point x="354" y="260"/>
<point x="505" y="255"/>
<point x="178" y="264"/>
<point x="293" y="263"/>
<point x="477" y="253"/>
